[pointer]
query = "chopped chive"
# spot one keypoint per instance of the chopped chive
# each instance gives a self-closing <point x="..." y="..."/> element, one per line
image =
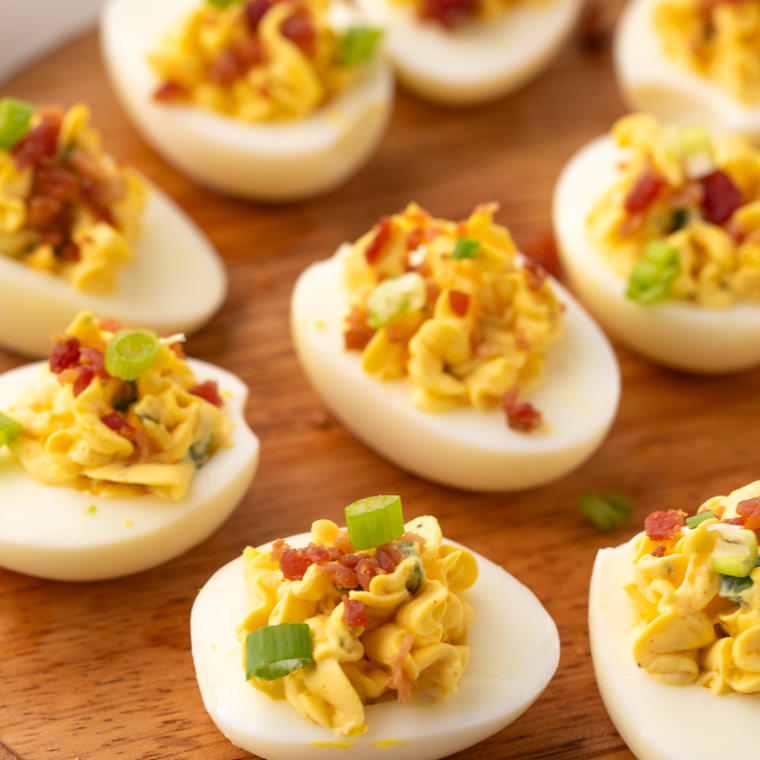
<point x="15" y="117"/>
<point x="465" y="248"/>
<point x="396" y="297"/>
<point x="374" y="521"/>
<point x="273" y="651"/>
<point x="9" y="430"/>
<point x="735" y="551"/>
<point x="653" y="276"/>
<point x="606" y="512"/>
<point x="696" y="520"/>
<point x="130" y="354"/>
<point x="357" y="45"/>
<point x="678" y="220"/>
<point x="731" y="588"/>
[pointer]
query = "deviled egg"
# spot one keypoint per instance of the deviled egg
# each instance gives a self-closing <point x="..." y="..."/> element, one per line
<point x="692" y="62"/>
<point x="257" y="98"/>
<point x="289" y="658"/>
<point x="674" y="619"/>
<point x="468" y="52"/>
<point x="659" y="229"/>
<point x="438" y="346"/>
<point x="120" y="454"/>
<point x="80" y="230"/>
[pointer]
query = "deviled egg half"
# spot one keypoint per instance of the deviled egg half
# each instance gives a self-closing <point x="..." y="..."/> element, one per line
<point x="692" y="62"/>
<point x="659" y="229"/>
<point x="444" y="350"/>
<point x="266" y="99"/>
<point x="80" y="230"/>
<point x="376" y="641"/>
<point x="117" y="454"/>
<point x="674" y="619"/>
<point x="468" y="52"/>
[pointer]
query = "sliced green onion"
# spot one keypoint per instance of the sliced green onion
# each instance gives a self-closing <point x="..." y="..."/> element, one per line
<point x="606" y="512"/>
<point x="697" y="520"/>
<point x="678" y="220"/>
<point x="15" y="117"/>
<point x="653" y="276"/>
<point x="396" y="297"/>
<point x="130" y="354"/>
<point x="735" y="551"/>
<point x="357" y="45"/>
<point x="465" y="248"/>
<point x="731" y="588"/>
<point x="221" y="3"/>
<point x="274" y="651"/>
<point x="9" y="430"/>
<point x="693" y="146"/>
<point x="374" y="521"/>
<point x="414" y="581"/>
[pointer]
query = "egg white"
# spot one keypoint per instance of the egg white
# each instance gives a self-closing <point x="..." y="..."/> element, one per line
<point x="464" y="448"/>
<point x="656" y="721"/>
<point x="678" y="334"/>
<point x="483" y="60"/>
<point x="514" y="652"/>
<point x="651" y="81"/>
<point x="277" y="161"/>
<point x="48" y="532"/>
<point x="175" y="283"/>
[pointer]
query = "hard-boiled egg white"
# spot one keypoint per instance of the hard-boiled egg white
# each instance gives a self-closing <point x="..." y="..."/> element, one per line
<point x="651" y="81"/>
<point x="175" y="283"/>
<point x="679" y="334"/>
<point x="657" y="721"/>
<point x="53" y="532"/>
<point x="514" y="652"/>
<point x="482" y="60"/>
<point x="464" y="448"/>
<point x="276" y="161"/>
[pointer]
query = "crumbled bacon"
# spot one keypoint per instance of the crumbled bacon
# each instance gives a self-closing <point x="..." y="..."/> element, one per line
<point x="340" y="574"/>
<point x="44" y="212"/>
<point x="117" y="423"/>
<point x="689" y="195"/>
<point x="95" y="360"/>
<point x="171" y="92"/>
<point x="357" y="333"/>
<point x="521" y="416"/>
<point x="644" y="192"/>
<point x="84" y="377"/>
<point x="410" y="537"/>
<point x="341" y="542"/>
<point x="449" y="13"/>
<point x="659" y="551"/>
<point x="300" y="30"/>
<point x="543" y="250"/>
<point x="279" y="547"/>
<point x="535" y="276"/>
<point x="740" y="521"/>
<point x="321" y="554"/>
<point x="663" y="526"/>
<point x="459" y="302"/>
<point x="39" y="145"/>
<point x="111" y="324"/>
<point x="722" y="197"/>
<point x="64" y="354"/>
<point x="354" y="615"/>
<point x="366" y="569"/>
<point x="70" y="253"/>
<point x="255" y="10"/>
<point x="388" y="557"/>
<point x="379" y="241"/>
<point x="399" y="680"/>
<point x="208" y="391"/>
<point x="56" y="182"/>
<point x="750" y="508"/>
<point x="415" y="239"/>
<point x="294" y="563"/>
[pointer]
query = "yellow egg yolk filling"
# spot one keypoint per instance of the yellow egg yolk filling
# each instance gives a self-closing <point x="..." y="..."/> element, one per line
<point x="412" y="647"/>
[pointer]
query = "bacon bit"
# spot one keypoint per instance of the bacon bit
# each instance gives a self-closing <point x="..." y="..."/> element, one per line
<point x="341" y="575"/>
<point x="95" y="360"/>
<point x="410" y="537"/>
<point x="110" y="324"/>
<point x="341" y="542"/>
<point x="352" y="560"/>
<point x="449" y="13"/>
<point x="86" y="164"/>
<point x="543" y="250"/>
<point x="521" y="416"/>
<point x="300" y="30"/>
<point x="40" y="144"/>
<point x="56" y="182"/>
<point x="321" y="554"/>
<point x="659" y="551"/>
<point x="225" y="68"/>
<point x="387" y="559"/>
<point x="415" y="239"/>
<point x="722" y="197"/>
<point x="70" y="253"/>
<point x="140" y="439"/>
<point x="43" y="212"/>
<point x="459" y="302"/>
<point x="630" y="225"/>
<point x="354" y="614"/>
<point x="741" y="521"/>
<point x="255" y="10"/>
<point x="84" y="377"/>
<point x="663" y="526"/>
<point x="279" y="547"/>
<point x="690" y="195"/>
<point x="644" y="192"/>
<point x="357" y="333"/>
<point x="366" y="569"/>
<point x="171" y="92"/>
<point x="750" y="508"/>
<point x="535" y="276"/>
<point x="250" y="53"/>
<point x="64" y="354"/>
<point x="382" y="236"/>
<point x="294" y="564"/>
<point x="433" y="291"/>
<point x="719" y="511"/>
<point x="117" y="423"/>
<point x="399" y="679"/>
<point x="208" y="391"/>
<point x="737" y="231"/>
<point x="178" y="349"/>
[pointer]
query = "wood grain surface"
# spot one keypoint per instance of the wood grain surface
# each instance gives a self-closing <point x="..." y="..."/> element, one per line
<point x="103" y="670"/>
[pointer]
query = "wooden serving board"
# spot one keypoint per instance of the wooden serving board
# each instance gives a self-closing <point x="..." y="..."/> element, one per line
<point x="103" y="670"/>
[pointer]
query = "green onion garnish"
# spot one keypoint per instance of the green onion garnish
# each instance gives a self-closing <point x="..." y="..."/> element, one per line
<point x="678" y="220"/>
<point x="220" y="3"/>
<point x="15" y="116"/>
<point x="130" y="354"/>
<point x="274" y="651"/>
<point x="465" y="248"/>
<point x="696" y="520"/>
<point x="9" y="430"/>
<point x="653" y="276"/>
<point x="374" y="521"/>
<point x="606" y="512"/>
<point x="731" y="588"/>
<point x="358" y="44"/>
<point x="735" y="551"/>
<point x="396" y="297"/>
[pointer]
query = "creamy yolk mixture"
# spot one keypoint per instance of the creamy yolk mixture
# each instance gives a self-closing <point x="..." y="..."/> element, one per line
<point x="701" y="199"/>
<point x="696" y="625"/>
<point x="399" y="631"/>
<point x="65" y="206"/>
<point x="259" y="60"/>
<point x="462" y="317"/>
<point x="719" y="39"/>
<point x="87" y="430"/>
